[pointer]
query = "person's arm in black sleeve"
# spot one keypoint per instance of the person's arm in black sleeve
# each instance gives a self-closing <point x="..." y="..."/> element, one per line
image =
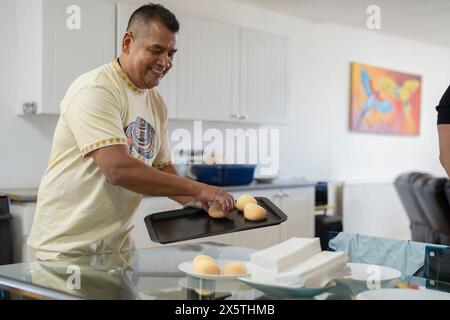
<point x="443" y="121"/>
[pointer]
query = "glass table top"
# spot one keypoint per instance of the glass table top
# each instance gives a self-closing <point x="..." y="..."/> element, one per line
<point x="150" y="274"/>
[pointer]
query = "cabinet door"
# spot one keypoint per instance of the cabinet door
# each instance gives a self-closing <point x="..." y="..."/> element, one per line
<point x="263" y="237"/>
<point x="168" y="85"/>
<point x="298" y="205"/>
<point x="208" y="74"/>
<point x="78" y="36"/>
<point x="263" y="97"/>
<point x="22" y="220"/>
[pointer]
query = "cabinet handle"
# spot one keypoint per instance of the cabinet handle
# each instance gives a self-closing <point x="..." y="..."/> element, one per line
<point x="243" y="117"/>
<point x="235" y="116"/>
<point x="29" y="107"/>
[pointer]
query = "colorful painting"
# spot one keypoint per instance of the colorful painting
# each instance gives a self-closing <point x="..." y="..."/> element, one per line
<point x="384" y="101"/>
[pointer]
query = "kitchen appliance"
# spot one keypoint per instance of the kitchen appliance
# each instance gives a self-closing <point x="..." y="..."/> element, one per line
<point x="223" y="174"/>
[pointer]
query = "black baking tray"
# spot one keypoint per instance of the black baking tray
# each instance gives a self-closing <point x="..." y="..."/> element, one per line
<point x="193" y="223"/>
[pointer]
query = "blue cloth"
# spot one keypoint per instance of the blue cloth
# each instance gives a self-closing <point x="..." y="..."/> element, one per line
<point x="404" y="255"/>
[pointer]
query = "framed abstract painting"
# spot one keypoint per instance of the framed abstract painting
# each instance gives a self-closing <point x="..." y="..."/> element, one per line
<point x="384" y="101"/>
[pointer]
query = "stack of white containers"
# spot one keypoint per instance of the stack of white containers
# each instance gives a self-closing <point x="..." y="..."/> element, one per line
<point x="298" y="262"/>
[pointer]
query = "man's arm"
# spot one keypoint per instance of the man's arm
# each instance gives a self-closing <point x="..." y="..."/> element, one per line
<point x="180" y="199"/>
<point x="444" y="146"/>
<point x="125" y="171"/>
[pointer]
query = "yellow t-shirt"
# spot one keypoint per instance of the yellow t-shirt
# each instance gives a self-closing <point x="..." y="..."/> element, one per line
<point x="78" y="211"/>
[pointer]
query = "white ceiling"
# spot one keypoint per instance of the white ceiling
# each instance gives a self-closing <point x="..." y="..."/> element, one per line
<point x="426" y="21"/>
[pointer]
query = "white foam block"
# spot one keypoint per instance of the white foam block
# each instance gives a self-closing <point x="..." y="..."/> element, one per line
<point x="259" y="274"/>
<point x="321" y="263"/>
<point x="284" y="255"/>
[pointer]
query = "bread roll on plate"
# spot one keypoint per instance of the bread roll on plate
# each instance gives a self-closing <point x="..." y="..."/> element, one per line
<point x="232" y="268"/>
<point x="201" y="257"/>
<point x="205" y="266"/>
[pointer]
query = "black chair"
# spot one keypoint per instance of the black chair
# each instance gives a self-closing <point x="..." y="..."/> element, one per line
<point x="431" y="196"/>
<point x="421" y="230"/>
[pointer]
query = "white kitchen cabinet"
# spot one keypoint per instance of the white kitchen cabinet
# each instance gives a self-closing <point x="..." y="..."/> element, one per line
<point x="232" y="74"/>
<point x="208" y="71"/>
<point x="168" y="86"/>
<point x="298" y="205"/>
<point x="22" y="220"/>
<point x="263" y="67"/>
<point x="58" y="40"/>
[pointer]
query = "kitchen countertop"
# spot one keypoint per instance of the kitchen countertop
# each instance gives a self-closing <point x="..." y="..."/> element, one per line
<point x="21" y="194"/>
<point x="277" y="184"/>
<point x="30" y="194"/>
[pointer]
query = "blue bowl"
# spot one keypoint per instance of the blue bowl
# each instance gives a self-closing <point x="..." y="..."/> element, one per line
<point x="224" y="174"/>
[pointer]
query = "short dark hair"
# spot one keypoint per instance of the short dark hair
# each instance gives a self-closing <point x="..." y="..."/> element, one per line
<point x="153" y="11"/>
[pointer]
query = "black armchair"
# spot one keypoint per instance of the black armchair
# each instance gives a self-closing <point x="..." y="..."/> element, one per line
<point x="421" y="230"/>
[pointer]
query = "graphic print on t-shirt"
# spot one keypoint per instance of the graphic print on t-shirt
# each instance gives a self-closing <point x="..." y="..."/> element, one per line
<point x="141" y="139"/>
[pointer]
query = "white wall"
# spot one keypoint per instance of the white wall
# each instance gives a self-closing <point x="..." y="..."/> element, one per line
<point x="374" y="209"/>
<point x="24" y="141"/>
<point x="317" y="144"/>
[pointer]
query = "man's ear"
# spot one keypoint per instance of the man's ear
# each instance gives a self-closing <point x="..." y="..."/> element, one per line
<point x="127" y="41"/>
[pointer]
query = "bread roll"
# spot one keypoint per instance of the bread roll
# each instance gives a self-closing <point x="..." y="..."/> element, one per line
<point x="216" y="211"/>
<point x="254" y="212"/>
<point x="201" y="257"/>
<point x="243" y="200"/>
<point x="234" y="268"/>
<point x="205" y="266"/>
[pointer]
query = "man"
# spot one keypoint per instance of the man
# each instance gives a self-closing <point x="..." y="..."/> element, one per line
<point x="444" y="130"/>
<point x="110" y="147"/>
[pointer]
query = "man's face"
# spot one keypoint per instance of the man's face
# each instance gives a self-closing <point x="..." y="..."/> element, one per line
<point x="150" y="54"/>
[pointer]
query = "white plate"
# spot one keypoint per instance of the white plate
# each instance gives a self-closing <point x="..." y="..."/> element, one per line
<point x="403" y="294"/>
<point x="363" y="272"/>
<point x="277" y="290"/>
<point x="199" y="284"/>
<point x="187" y="268"/>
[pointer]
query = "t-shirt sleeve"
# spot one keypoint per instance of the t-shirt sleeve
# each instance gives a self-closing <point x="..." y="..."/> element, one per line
<point x="94" y="118"/>
<point x="164" y="156"/>
<point x="443" y="108"/>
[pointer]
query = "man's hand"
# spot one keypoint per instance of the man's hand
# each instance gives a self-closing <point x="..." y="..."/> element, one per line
<point x="187" y="199"/>
<point x="209" y="194"/>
